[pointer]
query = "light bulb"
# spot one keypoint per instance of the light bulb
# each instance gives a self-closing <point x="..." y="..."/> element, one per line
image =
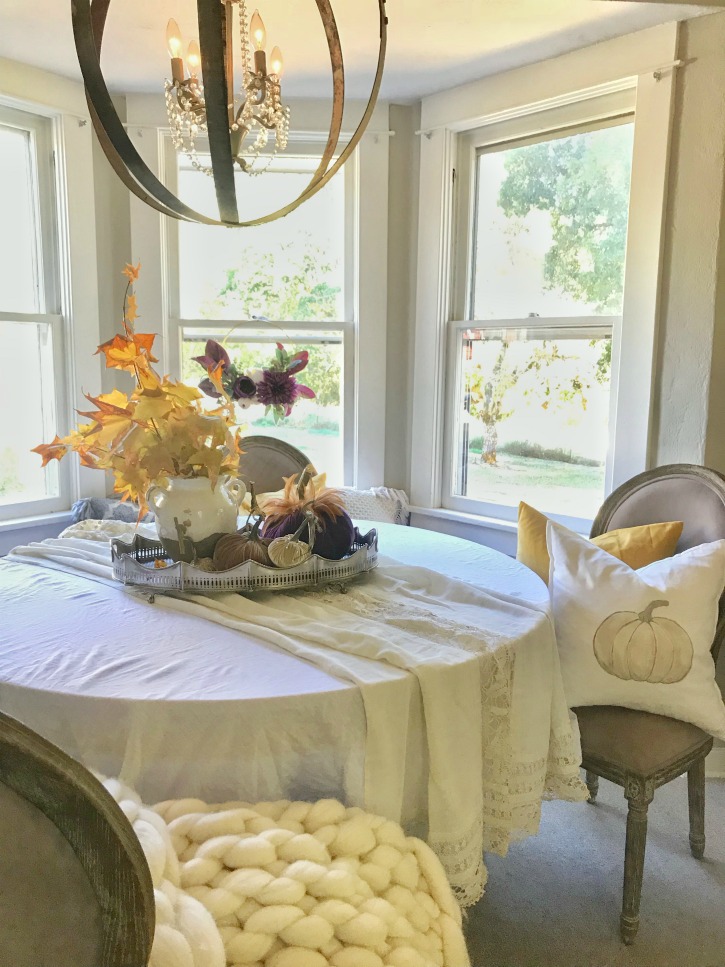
<point x="173" y="39"/>
<point x="277" y="61"/>
<point x="257" y="33"/>
<point x="193" y="58"/>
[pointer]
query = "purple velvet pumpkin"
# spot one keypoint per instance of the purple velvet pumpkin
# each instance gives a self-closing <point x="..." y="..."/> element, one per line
<point x="333" y="539"/>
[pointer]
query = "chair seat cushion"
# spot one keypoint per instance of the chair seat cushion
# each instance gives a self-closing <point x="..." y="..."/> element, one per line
<point x="634" y="742"/>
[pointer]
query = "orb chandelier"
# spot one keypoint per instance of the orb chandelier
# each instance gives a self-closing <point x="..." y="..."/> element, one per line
<point x="237" y="132"/>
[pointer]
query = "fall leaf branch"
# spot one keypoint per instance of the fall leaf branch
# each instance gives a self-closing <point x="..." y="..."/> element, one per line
<point x="159" y="430"/>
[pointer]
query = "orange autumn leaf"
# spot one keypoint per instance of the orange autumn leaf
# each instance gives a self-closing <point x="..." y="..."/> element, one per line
<point x="114" y="403"/>
<point x="87" y="458"/>
<point x="51" y="451"/>
<point x="128" y="353"/>
<point x="145" y="342"/>
<point x="215" y="375"/>
<point x="131" y="271"/>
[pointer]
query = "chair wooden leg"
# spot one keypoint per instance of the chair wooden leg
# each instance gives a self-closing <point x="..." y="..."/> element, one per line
<point x="639" y="794"/>
<point x="696" y="800"/>
<point x="592" y="781"/>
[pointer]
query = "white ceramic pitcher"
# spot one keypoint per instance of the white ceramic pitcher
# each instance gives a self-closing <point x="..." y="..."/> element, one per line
<point x="191" y="516"/>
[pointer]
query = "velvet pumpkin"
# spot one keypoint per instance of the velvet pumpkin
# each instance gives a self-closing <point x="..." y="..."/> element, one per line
<point x="235" y="549"/>
<point x="335" y="529"/>
<point x="333" y="539"/>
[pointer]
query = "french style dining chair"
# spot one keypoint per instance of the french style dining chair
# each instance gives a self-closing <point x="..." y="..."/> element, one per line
<point x="75" y="887"/>
<point x="266" y="461"/>
<point x="638" y="750"/>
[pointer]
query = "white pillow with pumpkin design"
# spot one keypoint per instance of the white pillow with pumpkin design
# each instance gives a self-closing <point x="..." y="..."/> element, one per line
<point x="642" y="638"/>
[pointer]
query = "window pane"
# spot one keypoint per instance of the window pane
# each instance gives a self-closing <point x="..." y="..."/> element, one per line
<point x="292" y="268"/>
<point x="314" y="426"/>
<point x="19" y="275"/>
<point x="551" y="226"/>
<point x="28" y="407"/>
<point x="532" y="418"/>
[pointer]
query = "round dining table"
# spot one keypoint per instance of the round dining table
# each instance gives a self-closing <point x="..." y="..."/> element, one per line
<point x="179" y="706"/>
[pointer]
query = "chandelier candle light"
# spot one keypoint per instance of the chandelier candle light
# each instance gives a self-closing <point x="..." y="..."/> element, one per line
<point x="260" y="115"/>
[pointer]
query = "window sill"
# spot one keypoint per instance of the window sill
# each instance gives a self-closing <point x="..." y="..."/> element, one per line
<point x="59" y="518"/>
<point x="27" y="530"/>
<point x="501" y="535"/>
<point x="475" y="520"/>
<point x="490" y="531"/>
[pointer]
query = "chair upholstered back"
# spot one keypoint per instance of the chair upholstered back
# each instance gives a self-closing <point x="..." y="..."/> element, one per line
<point x="678" y="491"/>
<point x="266" y="461"/>
<point x="76" y="888"/>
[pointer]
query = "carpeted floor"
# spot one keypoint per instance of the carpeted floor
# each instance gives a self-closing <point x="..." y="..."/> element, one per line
<point x="555" y="900"/>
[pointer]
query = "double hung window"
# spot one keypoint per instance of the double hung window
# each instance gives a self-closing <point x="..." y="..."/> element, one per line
<point x="542" y="237"/>
<point x="288" y="281"/>
<point x="31" y="325"/>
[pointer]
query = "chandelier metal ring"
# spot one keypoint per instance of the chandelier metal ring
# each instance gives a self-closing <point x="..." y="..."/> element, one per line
<point x="89" y="17"/>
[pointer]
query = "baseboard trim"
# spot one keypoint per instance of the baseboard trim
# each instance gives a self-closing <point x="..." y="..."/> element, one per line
<point x="715" y="764"/>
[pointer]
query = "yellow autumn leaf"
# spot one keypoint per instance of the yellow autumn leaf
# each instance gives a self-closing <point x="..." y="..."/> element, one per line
<point x="210" y="459"/>
<point x="131" y="309"/>
<point x="150" y="408"/>
<point x="180" y="391"/>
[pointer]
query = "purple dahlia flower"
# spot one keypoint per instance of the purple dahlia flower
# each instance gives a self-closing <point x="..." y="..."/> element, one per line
<point x="278" y="389"/>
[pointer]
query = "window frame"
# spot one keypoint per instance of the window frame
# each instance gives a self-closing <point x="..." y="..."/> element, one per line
<point x="605" y="110"/>
<point x="300" y="145"/>
<point x="44" y="139"/>
<point x="572" y="78"/>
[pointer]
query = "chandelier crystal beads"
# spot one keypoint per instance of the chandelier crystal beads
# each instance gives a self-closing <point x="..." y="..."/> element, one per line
<point x="258" y="120"/>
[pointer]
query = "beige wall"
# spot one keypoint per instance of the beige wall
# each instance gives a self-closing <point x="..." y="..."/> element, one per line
<point x="113" y="243"/>
<point x="689" y="413"/>
<point x="402" y="251"/>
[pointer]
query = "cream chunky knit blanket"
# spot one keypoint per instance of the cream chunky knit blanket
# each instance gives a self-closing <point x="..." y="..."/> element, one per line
<point x="291" y="884"/>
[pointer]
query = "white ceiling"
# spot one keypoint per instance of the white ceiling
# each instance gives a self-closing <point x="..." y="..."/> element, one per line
<point x="432" y="44"/>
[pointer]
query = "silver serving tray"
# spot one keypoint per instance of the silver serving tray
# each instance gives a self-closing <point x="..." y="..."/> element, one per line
<point x="134" y="563"/>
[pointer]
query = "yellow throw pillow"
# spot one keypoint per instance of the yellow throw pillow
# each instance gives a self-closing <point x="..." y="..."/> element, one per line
<point x="635" y="546"/>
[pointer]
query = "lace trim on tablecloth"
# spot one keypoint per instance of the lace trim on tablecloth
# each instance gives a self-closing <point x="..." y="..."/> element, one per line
<point x="462" y="859"/>
<point x="513" y="787"/>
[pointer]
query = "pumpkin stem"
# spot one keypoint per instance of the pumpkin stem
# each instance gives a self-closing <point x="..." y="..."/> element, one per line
<point x="646" y="615"/>
<point x="304" y="478"/>
<point x="305" y="523"/>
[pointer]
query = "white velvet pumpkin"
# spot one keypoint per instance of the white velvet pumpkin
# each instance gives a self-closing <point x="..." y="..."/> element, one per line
<point x="642" y="648"/>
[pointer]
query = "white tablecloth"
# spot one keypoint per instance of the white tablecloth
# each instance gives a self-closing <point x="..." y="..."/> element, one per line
<point x="179" y="706"/>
